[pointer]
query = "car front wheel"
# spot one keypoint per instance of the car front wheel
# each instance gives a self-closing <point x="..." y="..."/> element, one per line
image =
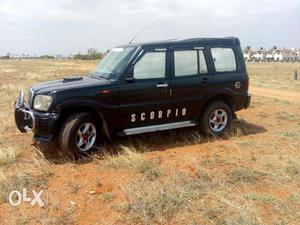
<point x="79" y="134"/>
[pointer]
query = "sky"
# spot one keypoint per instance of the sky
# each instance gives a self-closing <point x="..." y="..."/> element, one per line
<point x="38" y="27"/>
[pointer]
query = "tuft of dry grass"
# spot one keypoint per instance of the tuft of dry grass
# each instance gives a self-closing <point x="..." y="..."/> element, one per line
<point x="245" y="176"/>
<point x="7" y="155"/>
<point x="129" y="158"/>
<point x="74" y="187"/>
<point x="152" y="202"/>
<point x="282" y="208"/>
<point x="18" y="182"/>
<point x="106" y="197"/>
<point x="66" y="217"/>
<point x="293" y="170"/>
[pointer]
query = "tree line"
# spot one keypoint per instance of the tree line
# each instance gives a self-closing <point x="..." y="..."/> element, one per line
<point x="92" y="54"/>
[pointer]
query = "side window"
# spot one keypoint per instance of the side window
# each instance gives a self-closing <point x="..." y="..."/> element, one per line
<point x="151" y="65"/>
<point x="185" y="63"/>
<point x="224" y="59"/>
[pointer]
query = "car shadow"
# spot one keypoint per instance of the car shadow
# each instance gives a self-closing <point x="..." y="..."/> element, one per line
<point x="163" y="140"/>
<point x="158" y="141"/>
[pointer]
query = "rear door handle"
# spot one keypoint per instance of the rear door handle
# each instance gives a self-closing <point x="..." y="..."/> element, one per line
<point x="204" y="81"/>
<point x="162" y="85"/>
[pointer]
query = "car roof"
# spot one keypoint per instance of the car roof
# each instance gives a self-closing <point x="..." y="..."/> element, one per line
<point x="187" y="41"/>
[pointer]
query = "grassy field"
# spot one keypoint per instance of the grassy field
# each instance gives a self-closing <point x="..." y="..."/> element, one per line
<point x="249" y="176"/>
<point x="275" y="75"/>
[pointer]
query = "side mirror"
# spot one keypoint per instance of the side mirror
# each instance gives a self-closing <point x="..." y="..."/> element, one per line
<point x="129" y="79"/>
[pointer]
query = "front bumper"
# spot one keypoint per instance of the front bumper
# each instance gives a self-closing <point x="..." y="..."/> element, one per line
<point x="24" y="116"/>
<point x="42" y="124"/>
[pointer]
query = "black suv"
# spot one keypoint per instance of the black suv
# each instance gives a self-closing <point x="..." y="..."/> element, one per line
<point x="140" y="88"/>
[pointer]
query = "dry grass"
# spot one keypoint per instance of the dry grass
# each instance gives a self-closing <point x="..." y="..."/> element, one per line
<point x="245" y="176"/>
<point x="74" y="187"/>
<point x="18" y="182"/>
<point x="274" y="75"/>
<point x="7" y="155"/>
<point x="152" y="202"/>
<point x="65" y="218"/>
<point x="106" y="197"/>
<point x="129" y="158"/>
<point x="287" y="212"/>
<point x="217" y="198"/>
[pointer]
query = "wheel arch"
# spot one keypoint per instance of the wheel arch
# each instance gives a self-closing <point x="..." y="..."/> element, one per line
<point x="67" y="112"/>
<point x="221" y="97"/>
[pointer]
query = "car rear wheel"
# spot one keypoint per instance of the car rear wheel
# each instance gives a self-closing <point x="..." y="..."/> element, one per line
<point x="79" y="135"/>
<point x="216" y="118"/>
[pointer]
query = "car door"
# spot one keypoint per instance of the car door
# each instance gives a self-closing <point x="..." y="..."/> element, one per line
<point x="191" y="82"/>
<point x="145" y="92"/>
<point x="230" y="74"/>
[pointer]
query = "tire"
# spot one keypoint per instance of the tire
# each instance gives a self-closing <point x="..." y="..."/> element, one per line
<point x="69" y="138"/>
<point x="216" y="119"/>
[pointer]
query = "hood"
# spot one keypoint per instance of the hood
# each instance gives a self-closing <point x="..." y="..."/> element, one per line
<point x="67" y="83"/>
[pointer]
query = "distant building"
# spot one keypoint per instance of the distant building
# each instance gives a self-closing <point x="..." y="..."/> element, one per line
<point x="271" y="55"/>
<point x="92" y="51"/>
<point x="284" y="55"/>
<point x="297" y="55"/>
<point x="259" y="55"/>
<point x="58" y="57"/>
<point x="248" y="54"/>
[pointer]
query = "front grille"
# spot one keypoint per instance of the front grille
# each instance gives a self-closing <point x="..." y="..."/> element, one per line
<point x="30" y="97"/>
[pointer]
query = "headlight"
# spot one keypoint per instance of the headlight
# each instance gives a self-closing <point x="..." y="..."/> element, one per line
<point x="42" y="102"/>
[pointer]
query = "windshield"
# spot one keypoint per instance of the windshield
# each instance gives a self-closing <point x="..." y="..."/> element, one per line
<point x="113" y="63"/>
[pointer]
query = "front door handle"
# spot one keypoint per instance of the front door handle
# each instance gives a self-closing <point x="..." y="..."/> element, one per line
<point x="162" y="85"/>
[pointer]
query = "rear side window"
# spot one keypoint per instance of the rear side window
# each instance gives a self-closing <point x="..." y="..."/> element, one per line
<point x="151" y="65"/>
<point x="189" y="62"/>
<point x="224" y="59"/>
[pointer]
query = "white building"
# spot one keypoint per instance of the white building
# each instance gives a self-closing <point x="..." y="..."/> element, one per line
<point x="269" y="55"/>
<point x="284" y="55"/>
<point x="259" y="55"/>
<point x="248" y="53"/>
<point x="297" y="55"/>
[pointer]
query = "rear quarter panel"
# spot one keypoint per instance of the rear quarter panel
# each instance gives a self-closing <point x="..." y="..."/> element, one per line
<point x="227" y="82"/>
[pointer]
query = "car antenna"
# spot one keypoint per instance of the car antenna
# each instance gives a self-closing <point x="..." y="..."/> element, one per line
<point x="138" y="33"/>
<point x="148" y="25"/>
